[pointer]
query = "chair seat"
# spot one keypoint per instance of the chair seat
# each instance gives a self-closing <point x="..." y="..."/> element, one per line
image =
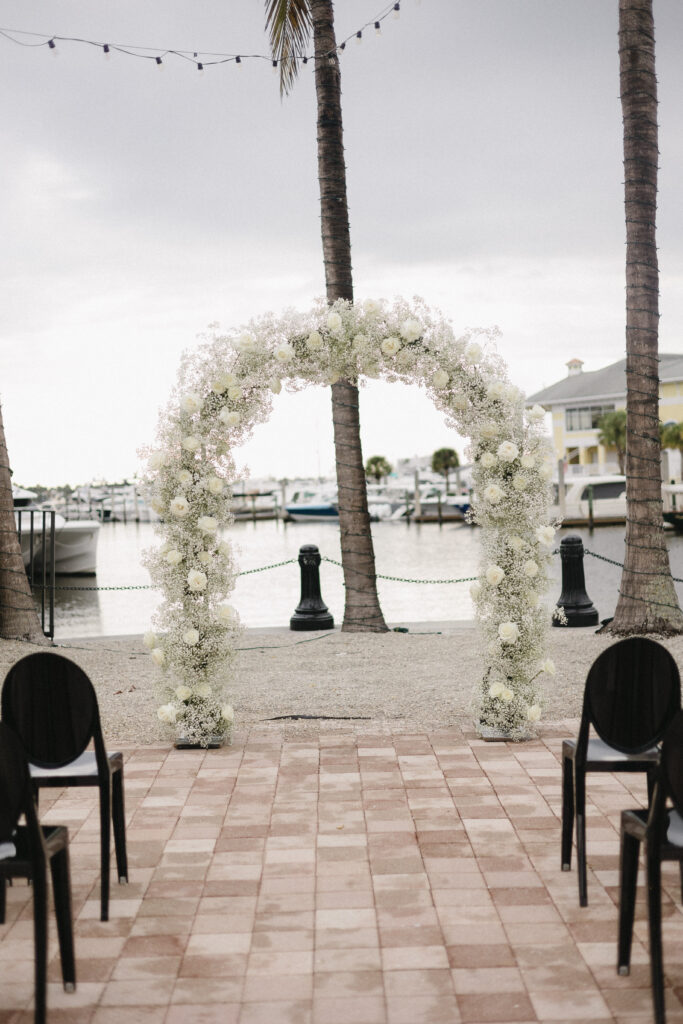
<point x="598" y="751"/>
<point x="674" y="833"/>
<point x="7" y="850"/>
<point x="84" y="766"/>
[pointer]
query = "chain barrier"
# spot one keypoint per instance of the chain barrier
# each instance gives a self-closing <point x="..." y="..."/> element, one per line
<point x="403" y="579"/>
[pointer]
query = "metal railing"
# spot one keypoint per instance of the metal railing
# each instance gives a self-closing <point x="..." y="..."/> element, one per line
<point x="36" y="531"/>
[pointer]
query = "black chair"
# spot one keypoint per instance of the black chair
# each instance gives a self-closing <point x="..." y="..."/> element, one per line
<point x="661" y="832"/>
<point x="51" y="705"/>
<point x="24" y="853"/>
<point x="632" y="692"/>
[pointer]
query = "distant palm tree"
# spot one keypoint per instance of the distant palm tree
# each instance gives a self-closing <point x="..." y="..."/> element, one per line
<point x="18" y="615"/>
<point x="377" y="467"/>
<point x="443" y="461"/>
<point x="647" y="598"/>
<point x="290" y="23"/>
<point x="612" y="427"/>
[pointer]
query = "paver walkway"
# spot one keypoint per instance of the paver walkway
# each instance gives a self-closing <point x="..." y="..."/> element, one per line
<point x="348" y="879"/>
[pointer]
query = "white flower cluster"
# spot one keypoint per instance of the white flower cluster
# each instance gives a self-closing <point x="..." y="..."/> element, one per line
<point x="226" y="387"/>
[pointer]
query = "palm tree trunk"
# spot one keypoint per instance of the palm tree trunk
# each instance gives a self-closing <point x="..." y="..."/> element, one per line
<point x="362" y="612"/>
<point x="647" y="598"/>
<point x="18" y="616"/>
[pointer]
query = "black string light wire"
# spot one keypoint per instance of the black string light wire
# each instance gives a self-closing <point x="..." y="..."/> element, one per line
<point x="201" y="59"/>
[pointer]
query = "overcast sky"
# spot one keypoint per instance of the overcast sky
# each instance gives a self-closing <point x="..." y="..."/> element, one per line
<point x="139" y="204"/>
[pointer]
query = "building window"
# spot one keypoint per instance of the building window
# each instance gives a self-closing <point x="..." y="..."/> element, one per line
<point x="585" y="417"/>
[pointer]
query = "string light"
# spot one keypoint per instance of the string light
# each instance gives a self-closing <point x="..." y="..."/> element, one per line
<point x="157" y="54"/>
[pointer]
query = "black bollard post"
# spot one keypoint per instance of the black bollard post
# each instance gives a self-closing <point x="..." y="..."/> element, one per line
<point x="311" y="612"/>
<point x="577" y="605"/>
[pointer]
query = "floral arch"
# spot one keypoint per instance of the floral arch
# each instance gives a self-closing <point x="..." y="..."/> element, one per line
<point x="226" y="386"/>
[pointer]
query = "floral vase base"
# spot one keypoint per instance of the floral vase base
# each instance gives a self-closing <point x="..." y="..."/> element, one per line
<point x="494" y="734"/>
<point x="182" y="743"/>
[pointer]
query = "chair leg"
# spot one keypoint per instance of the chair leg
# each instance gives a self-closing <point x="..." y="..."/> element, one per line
<point x="105" y="836"/>
<point x="580" y="809"/>
<point x="61" y="887"/>
<point x="628" y="880"/>
<point x="567" y="811"/>
<point x="40" y="939"/>
<point x="119" y="820"/>
<point x="651" y="781"/>
<point x="654" y="901"/>
<point x="3" y="899"/>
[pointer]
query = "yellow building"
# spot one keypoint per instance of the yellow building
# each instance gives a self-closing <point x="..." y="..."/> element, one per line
<point x="577" y="403"/>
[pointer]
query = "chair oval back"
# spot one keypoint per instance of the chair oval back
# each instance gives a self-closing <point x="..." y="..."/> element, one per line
<point x="51" y="705"/>
<point x="672" y="761"/>
<point x="13" y="782"/>
<point x="633" y="690"/>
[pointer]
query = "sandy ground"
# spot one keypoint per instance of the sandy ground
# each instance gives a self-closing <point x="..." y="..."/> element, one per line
<point x="420" y="680"/>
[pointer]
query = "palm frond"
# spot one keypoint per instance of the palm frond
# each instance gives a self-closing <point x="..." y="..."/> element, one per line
<point x="289" y="25"/>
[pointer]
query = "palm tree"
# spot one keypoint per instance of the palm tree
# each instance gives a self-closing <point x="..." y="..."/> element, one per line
<point x="612" y="426"/>
<point x="377" y="467"/>
<point x="291" y="23"/>
<point x="18" y="616"/>
<point x="647" y="599"/>
<point x="443" y="461"/>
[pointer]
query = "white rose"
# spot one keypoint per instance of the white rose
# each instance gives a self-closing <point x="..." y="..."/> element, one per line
<point x="284" y="353"/>
<point x="545" y="535"/>
<point x="158" y="506"/>
<point x="475" y="590"/>
<point x="528" y="461"/>
<point x="196" y="580"/>
<point x="508" y="632"/>
<point x="183" y="692"/>
<point x="358" y="341"/>
<point x="204" y="690"/>
<point x="149" y="640"/>
<point x="489" y="430"/>
<point x="488" y="460"/>
<point x="494" y="575"/>
<point x="473" y="353"/>
<point x="548" y="667"/>
<point x="314" y="341"/>
<point x="495" y="690"/>
<point x="520" y="482"/>
<point x="227" y="714"/>
<point x="179" y="505"/>
<point x="493" y="494"/>
<point x="390" y="346"/>
<point x="411" y="330"/>
<point x="512" y="393"/>
<point x="537" y="412"/>
<point x="157" y="655"/>
<point x="226" y="614"/>
<point x="533" y="713"/>
<point x="372" y="307"/>
<point x="224" y="548"/>
<point x="207" y="524"/>
<point x="167" y="713"/>
<point x="235" y="394"/>
<point x="530" y="568"/>
<point x="334" y="321"/>
<point x="246" y="342"/>
<point x="191" y="637"/>
<point x="496" y="389"/>
<point x="156" y="461"/>
<point x="204" y="557"/>
<point x="515" y="542"/>
<point x="191" y="402"/>
<point x="506" y="694"/>
<point x="275" y="386"/>
<point x="173" y="557"/>
<point x="229" y="417"/>
<point x="214" y="485"/>
<point x="545" y="472"/>
<point x="191" y="443"/>
<point x="184" y="477"/>
<point x="508" y="451"/>
<point x="440" y="379"/>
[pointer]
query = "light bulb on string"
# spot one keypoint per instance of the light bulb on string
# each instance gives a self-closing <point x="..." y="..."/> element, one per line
<point x="378" y="28"/>
<point x="397" y="11"/>
<point x="238" y="60"/>
<point x="200" y="66"/>
<point x="359" y="38"/>
<point x="107" y="51"/>
<point x="53" y="46"/>
<point x="274" y="67"/>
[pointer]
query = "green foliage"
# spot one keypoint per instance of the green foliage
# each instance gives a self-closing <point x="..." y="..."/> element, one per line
<point x="290" y="25"/>
<point x="612" y="427"/>
<point x="443" y="461"/>
<point x="377" y="467"/>
<point x="671" y="435"/>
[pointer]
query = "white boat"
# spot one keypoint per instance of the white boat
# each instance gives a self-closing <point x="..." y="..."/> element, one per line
<point x="75" y="541"/>
<point x="435" y="506"/>
<point x="606" y="494"/>
<point x="314" y="507"/>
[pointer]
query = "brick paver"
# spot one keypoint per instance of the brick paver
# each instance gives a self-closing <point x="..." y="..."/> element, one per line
<point x="346" y="879"/>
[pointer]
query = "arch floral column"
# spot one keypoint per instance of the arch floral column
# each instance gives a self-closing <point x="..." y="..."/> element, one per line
<point x="226" y="386"/>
